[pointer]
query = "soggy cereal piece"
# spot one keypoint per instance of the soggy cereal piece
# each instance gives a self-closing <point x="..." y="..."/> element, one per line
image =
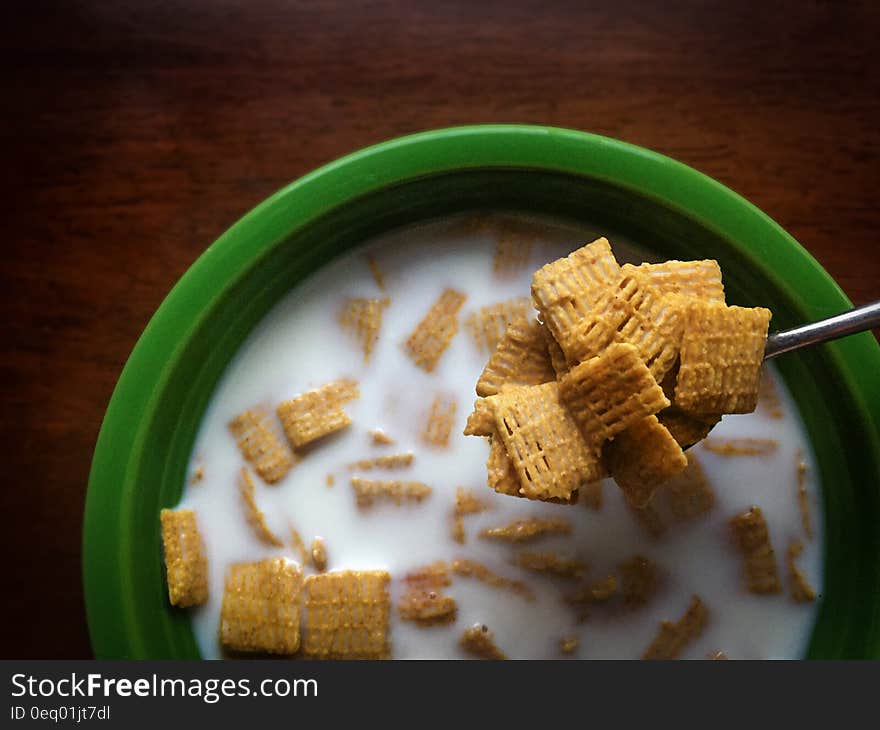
<point x="526" y="530"/>
<point x="543" y="443"/>
<point x="440" y="421"/>
<point x="592" y="495"/>
<point x="480" y="642"/>
<point x="488" y="324"/>
<point x="722" y="351"/>
<point x="638" y="578"/>
<point x="362" y="318"/>
<point x="427" y="608"/>
<point x="330" y="480"/>
<point x="643" y="457"/>
<point x="434" y="575"/>
<point x="564" y="290"/>
<point x="753" y="540"/>
<point x="599" y="591"/>
<point x="551" y="564"/>
<point x="473" y="569"/>
<point x="741" y="447"/>
<point x="687" y="429"/>
<point x="521" y="358"/>
<point x="347" y="615"/>
<point x="689" y="494"/>
<point x="768" y="396"/>
<point x="390" y="461"/>
<point x="801" y="590"/>
<point x="569" y="644"/>
<point x="379" y="438"/>
<point x="716" y="655"/>
<point x="186" y="566"/>
<point x="254" y="515"/>
<point x="260" y="446"/>
<point x="296" y="540"/>
<point x="674" y="636"/>
<point x="697" y="279"/>
<point x="368" y="491"/>
<point x="319" y="554"/>
<point x="198" y="474"/>
<point x="481" y="422"/>
<point x="803" y="500"/>
<point x="433" y="334"/>
<point x="317" y="413"/>
<point x="649" y="519"/>
<point x="260" y="611"/>
<point x="513" y="249"/>
<point x="378" y="276"/>
<point x="466" y="503"/>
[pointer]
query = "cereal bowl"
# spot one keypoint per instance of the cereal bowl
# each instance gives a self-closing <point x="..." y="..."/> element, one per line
<point x="142" y="453"/>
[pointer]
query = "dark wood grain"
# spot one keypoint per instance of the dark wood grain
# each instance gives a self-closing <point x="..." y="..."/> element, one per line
<point x="135" y="133"/>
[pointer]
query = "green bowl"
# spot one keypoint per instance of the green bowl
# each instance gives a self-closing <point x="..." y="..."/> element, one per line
<point x="141" y="457"/>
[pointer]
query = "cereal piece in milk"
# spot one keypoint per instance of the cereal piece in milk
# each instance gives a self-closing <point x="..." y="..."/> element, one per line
<point x="368" y="491"/>
<point x="441" y="418"/>
<point x="296" y="540"/>
<point x="698" y="279"/>
<point x="480" y="642"/>
<point x="433" y="334"/>
<point x="649" y="519"/>
<point x="759" y="560"/>
<point x="638" y="579"/>
<point x="740" y="447"/>
<point x="434" y="575"/>
<point x="768" y="397"/>
<point x="388" y="462"/>
<point x="378" y="276"/>
<point x="260" y="445"/>
<point x="317" y="413"/>
<point x="347" y="615"/>
<point x="488" y="324"/>
<point x="198" y="474"/>
<point x="592" y="495"/>
<point x="643" y="457"/>
<point x="610" y="392"/>
<point x="379" y="438"/>
<point x="526" y="530"/>
<point x="674" y="636"/>
<point x="722" y="350"/>
<point x="330" y="481"/>
<point x="689" y="494"/>
<point x="466" y="503"/>
<point x="803" y="500"/>
<point x="543" y="443"/>
<point x="319" y="554"/>
<point x="589" y="594"/>
<point x="686" y="428"/>
<point x="362" y="318"/>
<point x="716" y="655"/>
<point x="472" y="569"/>
<point x="513" y="249"/>
<point x="254" y="515"/>
<point x="520" y="358"/>
<point x="423" y="601"/>
<point x="481" y="422"/>
<point x="551" y="564"/>
<point x="801" y="590"/>
<point x="569" y="644"/>
<point x="186" y="566"/>
<point x="260" y="611"/>
<point x="565" y="290"/>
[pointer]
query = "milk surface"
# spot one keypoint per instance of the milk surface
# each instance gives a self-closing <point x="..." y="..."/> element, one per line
<point x="299" y="345"/>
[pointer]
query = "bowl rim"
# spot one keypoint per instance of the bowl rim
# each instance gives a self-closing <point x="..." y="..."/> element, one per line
<point x="403" y="159"/>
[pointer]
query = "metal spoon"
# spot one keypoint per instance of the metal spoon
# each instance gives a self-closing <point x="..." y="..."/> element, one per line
<point x="856" y="320"/>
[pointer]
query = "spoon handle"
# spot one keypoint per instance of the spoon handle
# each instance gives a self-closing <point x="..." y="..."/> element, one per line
<point x="856" y="320"/>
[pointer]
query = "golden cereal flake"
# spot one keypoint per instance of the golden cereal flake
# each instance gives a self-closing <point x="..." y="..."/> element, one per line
<point x="689" y="494"/>
<point x="427" y="607"/>
<point x="441" y="418"/>
<point x="254" y="515"/>
<point x="592" y="495"/>
<point x="674" y="636"/>
<point x="597" y="592"/>
<point x="639" y="580"/>
<point x="543" y="443"/>
<point x="260" y="446"/>
<point x="362" y="318"/>
<point x="480" y="642"/>
<point x="319" y="554"/>
<point x="378" y="276"/>
<point x="697" y="279"/>
<point x="801" y="590"/>
<point x="722" y="351"/>
<point x="390" y="461"/>
<point x="768" y="396"/>
<point x="481" y="422"/>
<point x="513" y="250"/>
<point x="740" y="447"/>
<point x="649" y="519"/>
<point x="569" y="644"/>
<point x="433" y="334"/>
<point x="643" y="457"/>
<point x="347" y="615"/>
<point x="368" y="491"/>
<point x="520" y="358"/>
<point x="466" y="503"/>
<point x="260" y="611"/>
<point x="759" y="560"/>
<point x="435" y="575"/>
<point x="379" y="438"/>
<point x="526" y="530"/>
<point x="472" y="569"/>
<point x="488" y="324"/>
<point x="551" y="564"/>
<point x="803" y="499"/>
<point x="610" y="392"/>
<point x="317" y="413"/>
<point x="186" y="565"/>
<point x="296" y="540"/>
<point x="687" y="429"/>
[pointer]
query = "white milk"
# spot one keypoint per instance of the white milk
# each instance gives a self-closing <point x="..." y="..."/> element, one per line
<point x="299" y="345"/>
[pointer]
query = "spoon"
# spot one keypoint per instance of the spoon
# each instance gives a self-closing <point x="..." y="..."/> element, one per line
<point x="856" y="320"/>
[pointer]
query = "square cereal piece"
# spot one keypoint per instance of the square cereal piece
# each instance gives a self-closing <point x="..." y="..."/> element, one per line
<point x="369" y="491"/>
<point x="687" y="428"/>
<point x="362" y="318"/>
<point x="521" y="358"/>
<point x="260" y="445"/>
<point x="674" y="636"/>
<point x="759" y="560"/>
<point x="722" y="350"/>
<point x="317" y="413"/>
<point x="610" y="392"/>
<point x="689" y="494"/>
<point x="186" y="566"/>
<point x="639" y="581"/>
<point x="564" y="290"/>
<point x="347" y="615"/>
<point x="441" y="418"/>
<point x="433" y="334"/>
<point x="643" y="457"/>
<point x="697" y="279"/>
<point x="543" y="443"/>
<point x="260" y="611"/>
<point x="488" y="324"/>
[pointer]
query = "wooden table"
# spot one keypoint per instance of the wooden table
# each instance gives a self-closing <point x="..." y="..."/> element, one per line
<point x="135" y="133"/>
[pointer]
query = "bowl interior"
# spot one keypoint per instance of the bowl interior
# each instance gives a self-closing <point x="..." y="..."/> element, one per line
<point x="142" y="454"/>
